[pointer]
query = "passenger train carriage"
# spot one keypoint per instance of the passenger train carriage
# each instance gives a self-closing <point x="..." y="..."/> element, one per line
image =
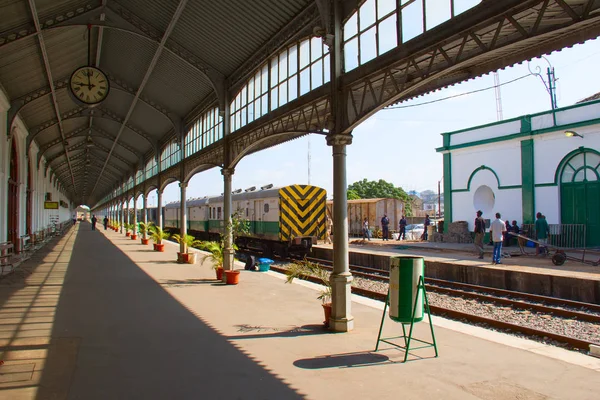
<point x="282" y="220"/>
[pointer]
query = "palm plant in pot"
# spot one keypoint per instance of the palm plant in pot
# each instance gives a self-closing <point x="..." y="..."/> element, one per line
<point x="313" y="272"/>
<point x="133" y="231"/>
<point x="158" y="235"/>
<point x="127" y="229"/>
<point x="143" y="229"/>
<point x="188" y="241"/>
<point x="215" y="256"/>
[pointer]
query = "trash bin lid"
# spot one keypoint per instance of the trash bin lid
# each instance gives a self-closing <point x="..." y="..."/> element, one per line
<point x="265" y="261"/>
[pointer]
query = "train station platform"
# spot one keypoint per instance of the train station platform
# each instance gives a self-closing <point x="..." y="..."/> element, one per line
<point x="458" y="262"/>
<point x="103" y="317"/>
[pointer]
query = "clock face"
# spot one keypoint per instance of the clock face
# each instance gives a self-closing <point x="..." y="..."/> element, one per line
<point x="89" y="85"/>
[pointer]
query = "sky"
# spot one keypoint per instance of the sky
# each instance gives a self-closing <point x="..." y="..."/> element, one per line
<point x="398" y="145"/>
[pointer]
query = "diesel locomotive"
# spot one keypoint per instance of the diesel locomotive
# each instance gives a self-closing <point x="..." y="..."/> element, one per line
<point x="282" y="220"/>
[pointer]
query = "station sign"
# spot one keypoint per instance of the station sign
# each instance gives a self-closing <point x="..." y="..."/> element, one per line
<point x="51" y="205"/>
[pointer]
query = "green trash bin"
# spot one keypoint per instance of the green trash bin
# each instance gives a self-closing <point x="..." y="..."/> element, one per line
<point x="405" y="272"/>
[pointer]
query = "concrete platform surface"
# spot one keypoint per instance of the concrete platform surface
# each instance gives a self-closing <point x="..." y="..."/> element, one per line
<point x="103" y="317"/>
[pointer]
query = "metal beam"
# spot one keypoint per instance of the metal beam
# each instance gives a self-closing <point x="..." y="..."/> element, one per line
<point x="62" y="84"/>
<point x="153" y="63"/>
<point x="40" y="37"/>
<point x="79" y="112"/>
<point x="84" y="131"/>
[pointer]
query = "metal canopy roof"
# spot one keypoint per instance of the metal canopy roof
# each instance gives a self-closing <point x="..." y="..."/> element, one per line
<point x="166" y="60"/>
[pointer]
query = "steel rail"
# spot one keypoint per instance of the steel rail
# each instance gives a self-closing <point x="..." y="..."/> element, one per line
<point x="440" y="311"/>
<point x="466" y="287"/>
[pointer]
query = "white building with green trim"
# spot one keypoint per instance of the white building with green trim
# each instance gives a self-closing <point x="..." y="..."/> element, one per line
<point x="522" y="166"/>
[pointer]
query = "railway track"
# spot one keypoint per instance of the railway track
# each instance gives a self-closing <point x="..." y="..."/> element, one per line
<point x="517" y="300"/>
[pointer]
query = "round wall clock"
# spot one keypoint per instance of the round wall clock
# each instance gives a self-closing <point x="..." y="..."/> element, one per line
<point x="89" y="85"/>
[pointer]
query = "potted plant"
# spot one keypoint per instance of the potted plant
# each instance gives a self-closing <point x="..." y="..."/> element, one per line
<point x="188" y="241"/>
<point x="215" y="256"/>
<point x="305" y="269"/>
<point x="127" y="229"/>
<point x="158" y="235"/>
<point x="143" y="229"/>
<point x="133" y="228"/>
<point x="237" y="226"/>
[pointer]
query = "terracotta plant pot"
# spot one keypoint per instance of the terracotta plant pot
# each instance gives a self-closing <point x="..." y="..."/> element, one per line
<point x="145" y="241"/>
<point x="127" y="234"/>
<point x="233" y="277"/>
<point x="159" y="247"/>
<point x="134" y="237"/>
<point x="192" y="258"/>
<point x="327" y="310"/>
<point x="219" y="272"/>
<point x="182" y="258"/>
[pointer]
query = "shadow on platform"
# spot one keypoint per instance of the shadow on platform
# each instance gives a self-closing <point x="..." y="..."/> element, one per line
<point x="116" y="334"/>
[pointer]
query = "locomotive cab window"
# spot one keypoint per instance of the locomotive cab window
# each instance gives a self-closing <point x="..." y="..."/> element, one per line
<point x="266" y="208"/>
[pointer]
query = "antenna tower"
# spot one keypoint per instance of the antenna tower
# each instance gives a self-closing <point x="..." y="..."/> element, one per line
<point x="498" y="96"/>
<point x="308" y="159"/>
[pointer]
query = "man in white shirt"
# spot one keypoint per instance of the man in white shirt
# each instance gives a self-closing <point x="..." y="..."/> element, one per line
<point x="497" y="230"/>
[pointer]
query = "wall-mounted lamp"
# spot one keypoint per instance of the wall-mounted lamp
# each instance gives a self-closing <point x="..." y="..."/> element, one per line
<point x="572" y="133"/>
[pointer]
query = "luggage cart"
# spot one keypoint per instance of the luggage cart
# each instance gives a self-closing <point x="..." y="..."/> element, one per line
<point x="559" y="254"/>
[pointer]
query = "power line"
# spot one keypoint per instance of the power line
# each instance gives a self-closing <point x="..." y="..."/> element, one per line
<point x="458" y="95"/>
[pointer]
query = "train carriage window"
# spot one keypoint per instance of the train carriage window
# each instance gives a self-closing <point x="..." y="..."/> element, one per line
<point x="246" y="212"/>
<point x="266" y="208"/>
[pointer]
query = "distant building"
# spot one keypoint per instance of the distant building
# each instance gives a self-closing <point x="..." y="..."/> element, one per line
<point x="526" y="165"/>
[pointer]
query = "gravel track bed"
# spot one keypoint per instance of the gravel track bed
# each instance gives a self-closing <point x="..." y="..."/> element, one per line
<point x="582" y="330"/>
<point x="552" y="324"/>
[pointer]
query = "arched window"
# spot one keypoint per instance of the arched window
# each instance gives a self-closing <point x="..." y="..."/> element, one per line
<point x="582" y="167"/>
<point x="171" y="155"/>
<point x="378" y="26"/>
<point x="207" y="130"/>
<point x="293" y="72"/>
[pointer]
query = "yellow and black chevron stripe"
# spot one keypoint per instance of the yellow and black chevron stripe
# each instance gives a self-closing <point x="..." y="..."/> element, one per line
<point x="302" y="211"/>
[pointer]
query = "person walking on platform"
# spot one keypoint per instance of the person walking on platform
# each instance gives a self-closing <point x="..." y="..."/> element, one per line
<point x="402" y="235"/>
<point x="479" y="232"/>
<point x="328" y="226"/>
<point x="94" y="220"/>
<point x="105" y="222"/>
<point x="385" y="226"/>
<point x="426" y="225"/>
<point x="541" y="232"/>
<point x="497" y="230"/>
<point x="366" y="232"/>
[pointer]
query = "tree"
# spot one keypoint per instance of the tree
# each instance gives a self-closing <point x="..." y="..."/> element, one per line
<point x="380" y="189"/>
<point x="352" y="195"/>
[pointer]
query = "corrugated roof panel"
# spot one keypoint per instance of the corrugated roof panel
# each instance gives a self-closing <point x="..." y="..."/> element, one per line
<point x="178" y="86"/>
<point x="52" y="8"/>
<point x="38" y="111"/>
<point x="21" y="67"/>
<point x="14" y="15"/>
<point x="150" y="120"/>
<point x="67" y="50"/>
<point x="117" y="99"/>
<point x="48" y="135"/>
<point x="226" y="43"/>
<point x="157" y="13"/>
<point x="126" y="55"/>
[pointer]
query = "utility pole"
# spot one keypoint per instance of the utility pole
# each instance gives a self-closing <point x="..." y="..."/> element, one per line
<point x="439" y="200"/>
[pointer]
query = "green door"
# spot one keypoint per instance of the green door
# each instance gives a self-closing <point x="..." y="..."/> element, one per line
<point x="580" y="194"/>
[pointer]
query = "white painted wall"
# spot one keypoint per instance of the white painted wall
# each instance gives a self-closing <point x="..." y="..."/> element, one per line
<point x="40" y="218"/>
<point x="551" y="148"/>
<point x="503" y="157"/>
<point x="488" y="132"/>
